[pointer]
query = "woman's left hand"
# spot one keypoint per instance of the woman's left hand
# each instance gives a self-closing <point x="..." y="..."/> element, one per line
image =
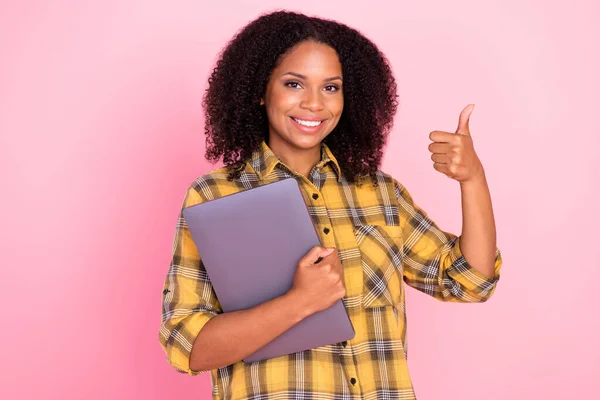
<point x="453" y="153"/>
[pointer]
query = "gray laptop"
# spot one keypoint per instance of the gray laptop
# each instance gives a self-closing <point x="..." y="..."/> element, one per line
<point x="250" y="243"/>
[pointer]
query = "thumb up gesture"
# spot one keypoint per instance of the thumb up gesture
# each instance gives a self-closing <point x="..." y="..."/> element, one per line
<point x="453" y="154"/>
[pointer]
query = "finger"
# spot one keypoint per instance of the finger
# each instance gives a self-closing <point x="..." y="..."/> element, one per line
<point x="441" y="136"/>
<point x="316" y="254"/>
<point x="443" y="168"/>
<point x="463" y="120"/>
<point x="440" y="158"/>
<point x="337" y="264"/>
<point x="328" y="258"/>
<point x="341" y="271"/>
<point x="441" y="148"/>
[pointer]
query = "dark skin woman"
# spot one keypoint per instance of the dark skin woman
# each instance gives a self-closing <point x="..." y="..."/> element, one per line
<point x="297" y="84"/>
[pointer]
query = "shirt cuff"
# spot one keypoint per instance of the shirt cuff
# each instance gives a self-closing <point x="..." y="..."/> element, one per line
<point x="181" y="352"/>
<point x="475" y="282"/>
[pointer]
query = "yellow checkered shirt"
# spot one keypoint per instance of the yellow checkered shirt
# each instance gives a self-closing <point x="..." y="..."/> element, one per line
<point x="384" y="240"/>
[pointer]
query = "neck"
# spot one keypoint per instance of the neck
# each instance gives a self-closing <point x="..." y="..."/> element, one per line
<point x="299" y="160"/>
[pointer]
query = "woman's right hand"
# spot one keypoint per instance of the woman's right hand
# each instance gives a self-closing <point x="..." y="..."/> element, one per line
<point x="319" y="279"/>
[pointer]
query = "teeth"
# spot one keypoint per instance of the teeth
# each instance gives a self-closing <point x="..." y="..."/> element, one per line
<point x="308" y="123"/>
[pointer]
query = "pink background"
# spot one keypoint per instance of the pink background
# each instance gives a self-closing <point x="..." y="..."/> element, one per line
<point x="101" y="134"/>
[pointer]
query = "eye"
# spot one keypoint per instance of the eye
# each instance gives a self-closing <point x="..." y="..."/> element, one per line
<point x="332" y="88"/>
<point x="292" y="83"/>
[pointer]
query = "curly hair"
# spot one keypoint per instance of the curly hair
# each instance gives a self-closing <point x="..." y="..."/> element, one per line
<point x="236" y="123"/>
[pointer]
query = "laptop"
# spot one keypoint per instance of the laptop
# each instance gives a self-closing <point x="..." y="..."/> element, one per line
<point x="250" y="243"/>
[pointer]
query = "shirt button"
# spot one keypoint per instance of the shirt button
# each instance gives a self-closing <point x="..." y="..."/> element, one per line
<point x="315" y="196"/>
<point x="326" y="230"/>
<point x="353" y="381"/>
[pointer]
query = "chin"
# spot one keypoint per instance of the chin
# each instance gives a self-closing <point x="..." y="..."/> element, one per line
<point x="307" y="143"/>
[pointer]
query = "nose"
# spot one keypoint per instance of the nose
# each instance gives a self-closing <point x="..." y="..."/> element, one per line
<point x="312" y="100"/>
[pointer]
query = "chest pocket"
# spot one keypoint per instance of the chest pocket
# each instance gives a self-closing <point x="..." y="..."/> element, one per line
<point x="381" y="258"/>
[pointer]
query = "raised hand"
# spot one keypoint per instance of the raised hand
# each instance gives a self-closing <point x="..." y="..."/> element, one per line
<point x="453" y="154"/>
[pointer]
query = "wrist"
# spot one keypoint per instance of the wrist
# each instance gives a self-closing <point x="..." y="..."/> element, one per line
<point x="297" y="307"/>
<point x="477" y="179"/>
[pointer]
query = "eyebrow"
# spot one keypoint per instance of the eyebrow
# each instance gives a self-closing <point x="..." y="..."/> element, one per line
<point x="304" y="77"/>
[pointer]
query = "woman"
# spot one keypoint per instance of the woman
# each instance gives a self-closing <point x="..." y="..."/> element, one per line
<point x="302" y="97"/>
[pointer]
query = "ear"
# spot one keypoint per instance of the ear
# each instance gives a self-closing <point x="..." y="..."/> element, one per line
<point x="262" y="101"/>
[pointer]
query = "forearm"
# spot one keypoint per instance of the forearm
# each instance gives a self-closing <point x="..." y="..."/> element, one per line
<point x="478" y="238"/>
<point x="230" y="337"/>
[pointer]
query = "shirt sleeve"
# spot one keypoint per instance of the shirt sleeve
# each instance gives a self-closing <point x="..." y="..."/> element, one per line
<point x="189" y="300"/>
<point x="433" y="261"/>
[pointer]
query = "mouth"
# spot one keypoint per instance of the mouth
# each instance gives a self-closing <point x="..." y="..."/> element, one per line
<point x="307" y="126"/>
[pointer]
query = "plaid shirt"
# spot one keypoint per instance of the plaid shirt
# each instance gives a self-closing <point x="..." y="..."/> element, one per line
<point x="383" y="240"/>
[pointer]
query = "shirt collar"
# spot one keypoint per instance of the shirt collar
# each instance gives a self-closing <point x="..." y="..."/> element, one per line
<point x="264" y="161"/>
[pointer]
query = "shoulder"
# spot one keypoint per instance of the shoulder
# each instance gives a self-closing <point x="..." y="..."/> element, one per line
<point x="388" y="178"/>
<point x="382" y="178"/>
<point x="388" y="187"/>
<point x="210" y="183"/>
<point x="216" y="184"/>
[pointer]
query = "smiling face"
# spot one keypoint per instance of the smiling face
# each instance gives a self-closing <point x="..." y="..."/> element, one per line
<point x="304" y="99"/>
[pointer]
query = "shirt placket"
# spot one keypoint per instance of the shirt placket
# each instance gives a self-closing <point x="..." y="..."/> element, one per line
<point x="351" y="386"/>
<point x="320" y="217"/>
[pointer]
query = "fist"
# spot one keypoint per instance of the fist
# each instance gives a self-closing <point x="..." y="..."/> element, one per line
<point x="319" y="279"/>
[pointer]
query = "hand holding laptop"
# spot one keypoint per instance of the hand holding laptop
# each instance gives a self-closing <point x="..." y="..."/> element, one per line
<point x="230" y="233"/>
<point x="319" y="279"/>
